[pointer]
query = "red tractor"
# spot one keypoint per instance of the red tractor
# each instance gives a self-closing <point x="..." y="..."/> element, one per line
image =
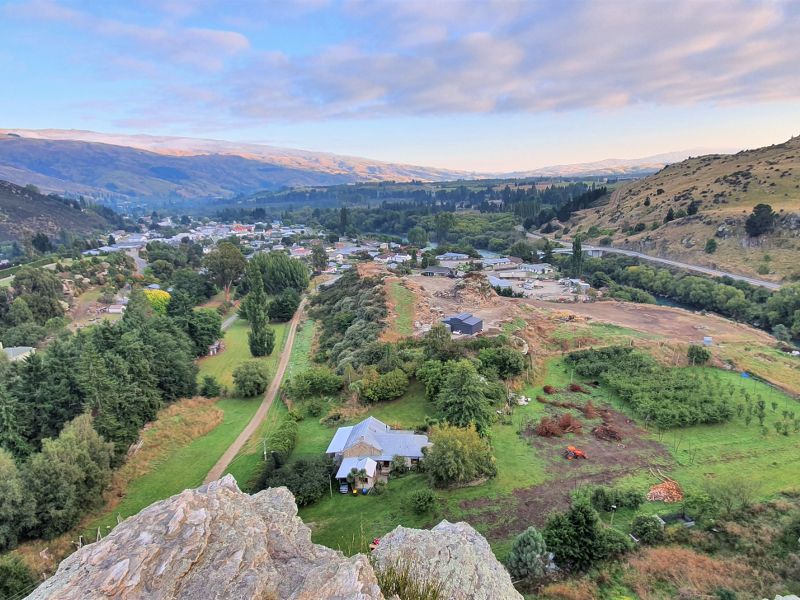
<point x="572" y="453"/>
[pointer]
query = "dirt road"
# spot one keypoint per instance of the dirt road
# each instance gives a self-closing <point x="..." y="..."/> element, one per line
<point x="222" y="464"/>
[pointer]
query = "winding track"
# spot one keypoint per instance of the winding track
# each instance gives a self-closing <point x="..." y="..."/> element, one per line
<point x="218" y="470"/>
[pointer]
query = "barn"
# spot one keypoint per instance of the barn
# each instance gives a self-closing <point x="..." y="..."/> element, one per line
<point x="466" y="323"/>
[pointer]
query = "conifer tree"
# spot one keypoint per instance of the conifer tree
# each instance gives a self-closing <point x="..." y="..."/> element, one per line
<point x="528" y="555"/>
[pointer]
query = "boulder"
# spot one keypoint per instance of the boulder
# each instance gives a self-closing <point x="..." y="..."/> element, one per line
<point x="213" y="542"/>
<point x="453" y="554"/>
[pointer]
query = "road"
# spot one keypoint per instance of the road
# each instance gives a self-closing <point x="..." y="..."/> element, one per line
<point x="218" y="470"/>
<point x="141" y="264"/>
<point x="770" y="285"/>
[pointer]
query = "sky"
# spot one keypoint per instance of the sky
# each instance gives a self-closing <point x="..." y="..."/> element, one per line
<point x="499" y="85"/>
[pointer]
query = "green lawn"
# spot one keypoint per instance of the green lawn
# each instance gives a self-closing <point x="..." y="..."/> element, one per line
<point x="404" y="305"/>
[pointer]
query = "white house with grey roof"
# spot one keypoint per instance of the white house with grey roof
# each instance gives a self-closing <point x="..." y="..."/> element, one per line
<point x="371" y="445"/>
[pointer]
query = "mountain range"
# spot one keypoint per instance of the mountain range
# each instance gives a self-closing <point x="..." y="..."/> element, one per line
<point x="142" y="167"/>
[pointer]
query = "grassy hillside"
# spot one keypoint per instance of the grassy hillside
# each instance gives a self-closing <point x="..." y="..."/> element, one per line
<point x="727" y="187"/>
<point x="24" y="212"/>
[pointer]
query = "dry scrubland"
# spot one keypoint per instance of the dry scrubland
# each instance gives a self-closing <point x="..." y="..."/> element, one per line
<point x="727" y="187"/>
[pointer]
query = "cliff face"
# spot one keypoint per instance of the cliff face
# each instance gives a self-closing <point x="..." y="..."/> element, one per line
<point x="218" y="542"/>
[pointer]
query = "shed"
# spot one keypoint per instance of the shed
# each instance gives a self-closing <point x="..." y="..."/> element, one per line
<point x="438" y="272"/>
<point x="464" y="323"/>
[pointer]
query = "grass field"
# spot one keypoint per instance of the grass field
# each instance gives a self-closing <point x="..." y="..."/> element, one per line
<point x="402" y="299"/>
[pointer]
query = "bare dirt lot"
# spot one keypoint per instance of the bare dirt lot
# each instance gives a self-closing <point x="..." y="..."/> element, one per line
<point x="606" y="462"/>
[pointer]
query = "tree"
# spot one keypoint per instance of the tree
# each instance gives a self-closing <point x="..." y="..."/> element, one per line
<point x="225" y="265"/>
<point x="250" y="378"/>
<point x="158" y="299"/>
<point x="760" y="221"/>
<point x="577" y="257"/>
<point x="528" y="556"/>
<point x="16" y="509"/>
<point x="261" y="337"/>
<point x="781" y="333"/>
<point x="378" y="388"/>
<point x="418" y="237"/>
<point x="670" y="215"/>
<point x="68" y="476"/>
<point x="547" y="251"/>
<point x="319" y="258"/>
<point x="41" y="243"/>
<point x="16" y="579"/>
<point x="344" y="219"/>
<point x="522" y="249"/>
<point x="283" y="307"/>
<point x="698" y="355"/>
<point x="463" y="400"/>
<point x="204" y="327"/>
<point x="279" y="271"/>
<point x="439" y="344"/>
<point x="503" y="361"/>
<point x="458" y="456"/>
<point x="443" y="223"/>
<point x="711" y="246"/>
<point x="573" y="536"/>
<point x="42" y="291"/>
<point x="19" y="313"/>
<point x="210" y="387"/>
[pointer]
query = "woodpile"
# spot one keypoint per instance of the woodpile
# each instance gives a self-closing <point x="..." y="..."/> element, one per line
<point x="666" y="491"/>
<point x="607" y="433"/>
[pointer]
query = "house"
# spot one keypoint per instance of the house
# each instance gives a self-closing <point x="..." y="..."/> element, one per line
<point x="449" y="256"/>
<point x="576" y="285"/>
<point x="496" y="264"/>
<point x="372" y="442"/>
<point x="438" y="272"/>
<point x="466" y="323"/>
<point x="537" y="269"/>
<point x="498" y="283"/>
<point x="16" y="353"/>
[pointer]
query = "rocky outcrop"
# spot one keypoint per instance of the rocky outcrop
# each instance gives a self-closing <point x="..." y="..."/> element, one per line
<point x="217" y="542"/>
<point x="452" y="554"/>
<point x="213" y="542"/>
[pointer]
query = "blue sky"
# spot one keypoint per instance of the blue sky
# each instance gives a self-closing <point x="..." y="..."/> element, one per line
<point x="494" y="85"/>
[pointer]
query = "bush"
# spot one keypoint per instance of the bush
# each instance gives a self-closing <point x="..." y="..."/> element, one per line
<point x="308" y="479"/>
<point x="528" y="555"/>
<point x="458" y="456"/>
<point x="612" y="543"/>
<point x="210" y="387"/>
<point x="251" y="378"/>
<point x="604" y="497"/>
<point x="647" y="529"/>
<point x="698" y="355"/>
<point x="315" y="407"/>
<point x="422" y="501"/>
<point x="505" y="362"/>
<point x="16" y="579"/>
<point x="283" y="438"/>
<point x="316" y="381"/>
<point x="377" y="388"/>
<point x="399" y="466"/>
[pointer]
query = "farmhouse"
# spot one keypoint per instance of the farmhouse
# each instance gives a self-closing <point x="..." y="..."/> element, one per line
<point x="371" y="445"/>
<point x="464" y="323"/>
<point x="495" y="264"/>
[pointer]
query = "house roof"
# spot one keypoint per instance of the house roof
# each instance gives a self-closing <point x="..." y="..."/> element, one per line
<point x="436" y="269"/>
<point x="452" y="256"/>
<point x="466" y="318"/>
<point x="497" y="282"/>
<point x="387" y="441"/>
<point x="503" y="260"/>
<point x="348" y="464"/>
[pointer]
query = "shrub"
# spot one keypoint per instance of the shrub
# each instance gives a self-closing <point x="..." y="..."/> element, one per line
<point x="612" y="543"/>
<point x="504" y="361"/>
<point x="458" y="456"/>
<point x="210" y="388"/>
<point x="283" y="307"/>
<point x="250" y="378"/>
<point x="377" y="388"/>
<point x="307" y="479"/>
<point x="422" y="501"/>
<point x="314" y="407"/>
<point x="647" y="529"/>
<point x="316" y="381"/>
<point x="528" y="555"/>
<point x="698" y="355"/>
<point x="711" y="246"/>
<point x="283" y="438"/>
<point x="399" y="466"/>
<point x="16" y="578"/>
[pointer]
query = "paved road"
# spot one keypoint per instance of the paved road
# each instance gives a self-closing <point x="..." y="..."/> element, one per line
<point x="674" y="263"/>
<point x="141" y="264"/>
<point x="222" y="464"/>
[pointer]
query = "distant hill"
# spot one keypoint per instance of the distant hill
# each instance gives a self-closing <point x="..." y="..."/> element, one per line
<point x="724" y="188"/>
<point x="142" y="167"/>
<point x="24" y="212"/>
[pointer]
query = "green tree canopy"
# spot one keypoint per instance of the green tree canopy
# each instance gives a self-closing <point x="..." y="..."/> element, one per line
<point x="225" y="265"/>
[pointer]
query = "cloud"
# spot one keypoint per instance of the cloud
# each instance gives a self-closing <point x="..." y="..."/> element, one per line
<point x="414" y="57"/>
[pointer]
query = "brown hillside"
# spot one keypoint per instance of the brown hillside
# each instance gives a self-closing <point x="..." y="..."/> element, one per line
<point x="727" y="188"/>
<point x="24" y="212"/>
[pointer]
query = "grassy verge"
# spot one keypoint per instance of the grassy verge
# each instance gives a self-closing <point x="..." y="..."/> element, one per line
<point x="403" y="300"/>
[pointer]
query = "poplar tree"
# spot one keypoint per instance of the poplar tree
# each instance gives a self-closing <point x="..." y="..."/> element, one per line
<point x="261" y="337"/>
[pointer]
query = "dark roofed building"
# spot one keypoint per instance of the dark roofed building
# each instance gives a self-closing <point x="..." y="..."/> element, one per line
<point x="438" y="272"/>
<point x="466" y="323"/>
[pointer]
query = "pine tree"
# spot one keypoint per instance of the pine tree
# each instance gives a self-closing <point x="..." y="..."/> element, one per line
<point x="577" y="257"/>
<point x="528" y="555"/>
